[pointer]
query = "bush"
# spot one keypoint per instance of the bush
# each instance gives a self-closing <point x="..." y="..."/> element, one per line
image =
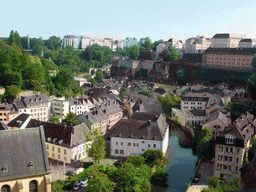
<point x="160" y="177"/>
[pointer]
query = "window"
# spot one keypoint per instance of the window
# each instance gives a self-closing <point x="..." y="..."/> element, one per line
<point x="226" y="158"/>
<point x="33" y="186"/>
<point x="137" y="144"/>
<point x="143" y="141"/>
<point x="65" y="158"/>
<point x="65" y="151"/>
<point x="227" y="149"/>
<point x="53" y="154"/>
<point x="129" y="144"/>
<point x="230" y="159"/>
<point x="121" y="152"/>
<point x="58" y="156"/>
<point x="229" y="167"/>
<point x="52" y="148"/>
<point x="230" y="139"/>
<point x="231" y="149"/>
<point x="142" y="150"/>
<point x="47" y="146"/>
<point x="224" y="167"/>
<point x="116" y="151"/>
<point x="58" y="150"/>
<point x="148" y="145"/>
<point x="236" y="169"/>
<point x="6" y="188"/>
<point x="237" y="159"/>
<point x="237" y="151"/>
<point x="122" y="143"/>
<point x="134" y="144"/>
<point x="116" y="143"/>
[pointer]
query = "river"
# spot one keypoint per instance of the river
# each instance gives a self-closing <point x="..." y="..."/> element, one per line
<point x="182" y="166"/>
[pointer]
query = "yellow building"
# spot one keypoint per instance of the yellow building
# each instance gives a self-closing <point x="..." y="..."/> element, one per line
<point x="24" y="164"/>
<point x="231" y="145"/>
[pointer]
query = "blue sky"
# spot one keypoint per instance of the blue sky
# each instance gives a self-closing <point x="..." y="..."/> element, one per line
<point x="158" y="19"/>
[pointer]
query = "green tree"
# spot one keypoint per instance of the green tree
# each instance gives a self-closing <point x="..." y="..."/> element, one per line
<point x="160" y="177"/>
<point x="122" y="94"/>
<point x="253" y="62"/>
<point x="168" y="102"/>
<point x="155" y="157"/>
<point x="136" y="160"/>
<point x="11" y="38"/>
<point x="251" y="84"/>
<point x="54" y="119"/>
<point x="71" y="119"/>
<point x="156" y="43"/>
<point x="133" y="52"/>
<point x="99" y="75"/>
<point x="98" y="181"/>
<point x="53" y="42"/>
<point x="145" y="91"/>
<point x="147" y="45"/>
<point x="13" y="90"/>
<point x="214" y="182"/>
<point x="174" y="55"/>
<point x="97" y="150"/>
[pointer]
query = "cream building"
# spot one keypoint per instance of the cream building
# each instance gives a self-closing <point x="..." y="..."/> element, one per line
<point x="60" y="108"/>
<point x="197" y="44"/>
<point x="175" y="42"/>
<point x="133" y="136"/>
<point x="25" y="166"/>
<point x="247" y="43"/>
<point x="226" y="40"/>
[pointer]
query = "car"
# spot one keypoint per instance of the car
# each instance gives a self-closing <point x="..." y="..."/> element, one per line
<point x="70" y="173"/>
<point x="83" y="181"/>
<point x="197" y="177"/>
<point x="77" y="186"/>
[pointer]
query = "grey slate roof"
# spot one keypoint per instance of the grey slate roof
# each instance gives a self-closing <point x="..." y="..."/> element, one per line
<point x="231" y="51"/>
<point x="221" y="36"/>
<point x="18" y="121"/>
<point x="21" y="147"/>
<point x="214" y="100"/>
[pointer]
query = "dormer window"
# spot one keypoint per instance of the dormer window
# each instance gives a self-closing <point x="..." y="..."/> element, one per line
<point x="230" y="139"/>
<point x="31" y="164"/>
<point x="4" y="168"/>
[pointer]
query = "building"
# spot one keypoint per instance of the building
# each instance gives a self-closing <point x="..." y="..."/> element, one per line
<point x="60" y="108"/>
<point x="129" y="42"/>
<point x="228" y="58"/>
<point x="141" y="132"/>
<point x="226" y="40"/>
<point x="38" y="106"/>
<point x="174" y="42"/>
<point x="81" y="42"/>
<point x="197" y="44"/>
<point x="24" y="165"/>
<point x="80" y="105"/>
<point x="81" y="81"/>
<point x="231" y="145"/>
<point x="5" y="109"/>
<point x="247" y="43"/>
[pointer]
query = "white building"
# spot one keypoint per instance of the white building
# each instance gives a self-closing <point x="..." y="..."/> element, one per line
<point x="129" y="42"/>
<point x="226" y="40"/>
<point x="197" y="44"/>
<point x="141" y="132"/>
<point x="175" y="42"/>
<point x="247" y="43"/>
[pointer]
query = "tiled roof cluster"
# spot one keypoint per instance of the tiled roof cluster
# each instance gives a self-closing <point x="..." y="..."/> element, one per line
<point x="231" y="51"/>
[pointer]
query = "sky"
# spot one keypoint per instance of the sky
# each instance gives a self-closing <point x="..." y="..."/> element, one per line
<point x="158" y="19"/>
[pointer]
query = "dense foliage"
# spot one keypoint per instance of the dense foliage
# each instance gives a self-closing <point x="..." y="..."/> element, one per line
<point x="169" y="101"/>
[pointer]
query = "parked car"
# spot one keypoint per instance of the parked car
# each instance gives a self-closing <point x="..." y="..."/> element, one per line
<point x="70" y="173"/>
<point x="77" y="186"/>
<point x="197" y="177"/>
<point x="83" y="181"/>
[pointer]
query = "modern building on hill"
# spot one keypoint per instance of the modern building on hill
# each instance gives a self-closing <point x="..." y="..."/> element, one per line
<point x="24" y="165"/>
<point x="129" y="42"/>
<point x="81" y="42"/>
<point x="226" y="40"/>
<point x="141" y="132"/>
<point x="60" y="108"/>
<point x="228" y="58"/>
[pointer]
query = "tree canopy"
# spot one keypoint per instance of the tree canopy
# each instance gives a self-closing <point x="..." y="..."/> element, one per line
<point x="97" y="150"/>
<point x="71" y="119"/>
<point x="168" y="101"/>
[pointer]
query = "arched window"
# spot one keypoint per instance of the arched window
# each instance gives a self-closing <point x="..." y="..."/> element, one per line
<point x="33" y="186"/>
<point x="230" y="139"/>
<point x="6" y="188"/>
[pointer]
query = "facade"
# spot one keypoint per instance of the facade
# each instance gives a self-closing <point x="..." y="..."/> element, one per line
<point x="81" y="42"/>
<point x="228" y="58"/>
<point x="231" y="145"/>
<point x="60" y="108"/>
<point x="226" y="40"/>
<point x="175" y="42"/>
<point x="197" y="44"/>
<point x="5" y="109"/>
<point x="38" y="106"/>
<point x="25" y="166"/>
<point x="129" y="42"/>
<point x="79" y="105"/>
<point x="247" y="43"/>
<point x="141" y="132"/>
